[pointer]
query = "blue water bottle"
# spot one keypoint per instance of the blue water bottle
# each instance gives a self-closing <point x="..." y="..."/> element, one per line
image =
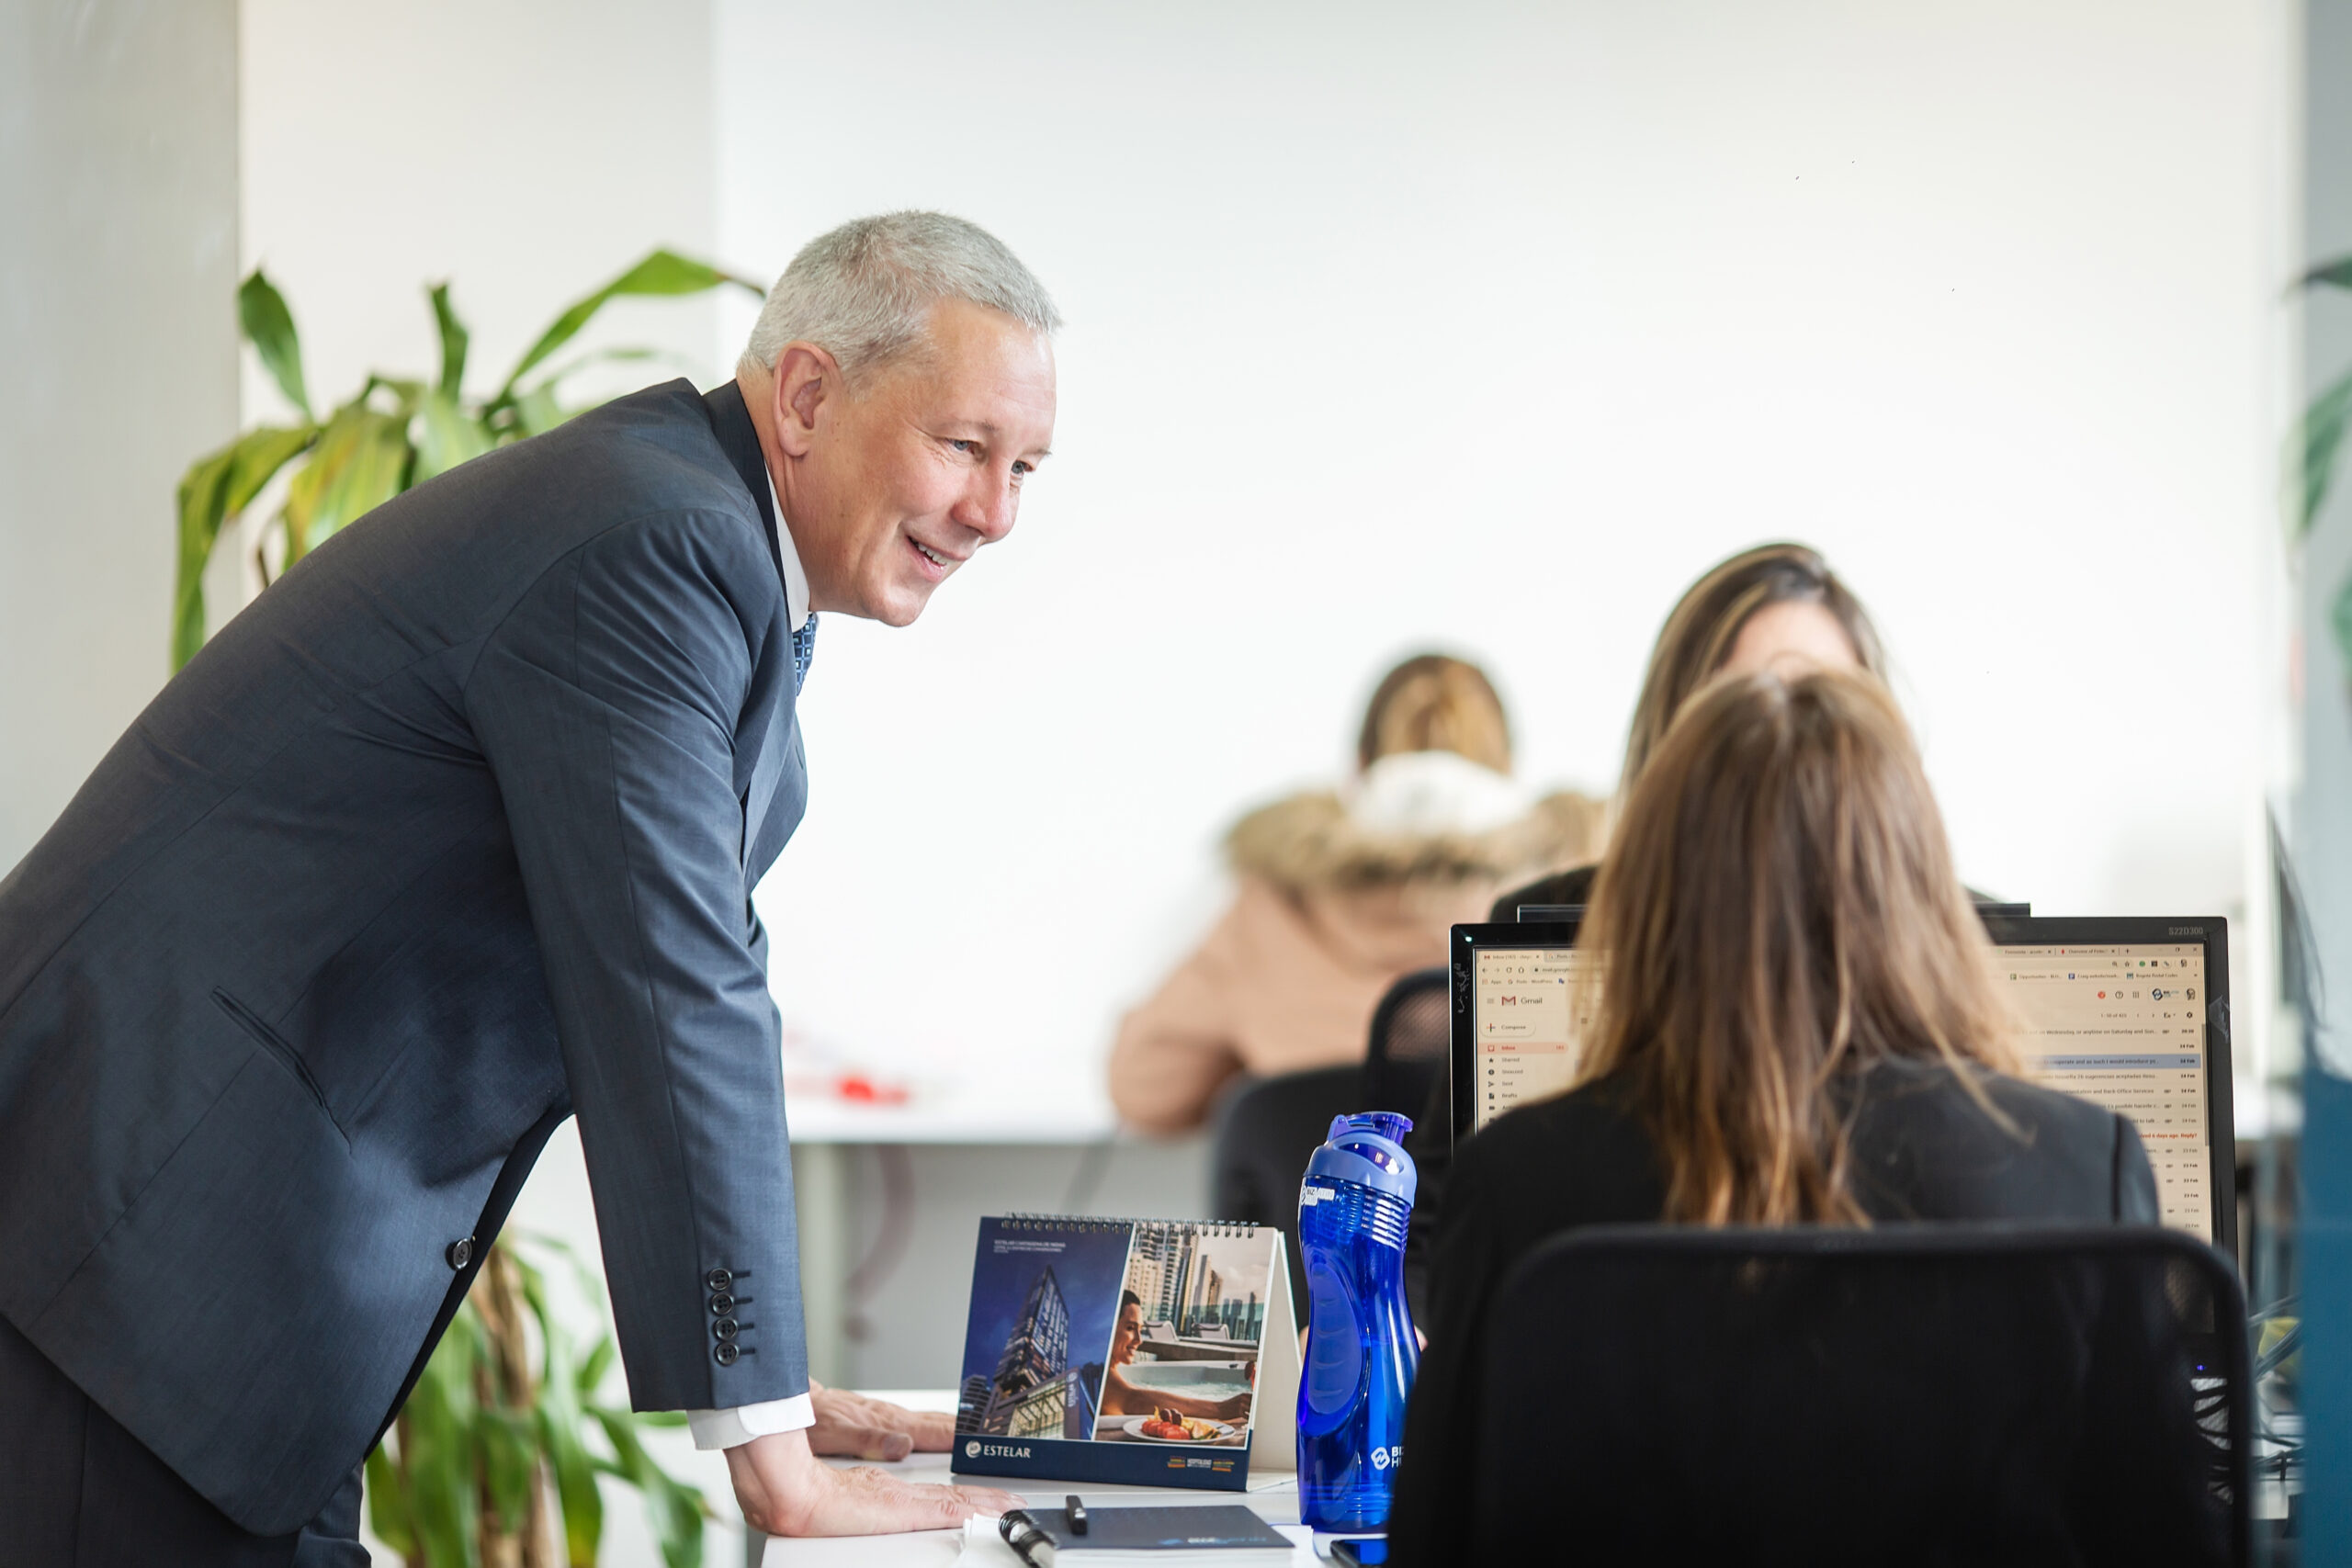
<point x="1360" y="1350"/>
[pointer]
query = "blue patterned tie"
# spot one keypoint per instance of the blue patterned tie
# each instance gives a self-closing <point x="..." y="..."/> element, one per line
<point x="804" y="648"/>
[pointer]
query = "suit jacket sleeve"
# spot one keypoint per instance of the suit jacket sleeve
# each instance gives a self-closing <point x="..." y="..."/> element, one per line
<point x="608" y="704"/>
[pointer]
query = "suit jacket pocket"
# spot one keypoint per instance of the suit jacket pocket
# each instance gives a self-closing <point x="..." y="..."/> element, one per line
<point x="270" y="1041"/>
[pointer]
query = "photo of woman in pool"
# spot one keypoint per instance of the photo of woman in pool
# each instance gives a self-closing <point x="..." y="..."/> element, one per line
<point x="1183" y="1357"/>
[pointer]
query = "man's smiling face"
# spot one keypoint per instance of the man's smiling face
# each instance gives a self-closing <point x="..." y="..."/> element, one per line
<point x="891" y="485"/>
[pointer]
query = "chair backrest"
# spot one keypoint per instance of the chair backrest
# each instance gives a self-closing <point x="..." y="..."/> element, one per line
<point x="1946" y="1393"/>
<point x="1405" y="1054"/>
<point x="1265" y="1132"/>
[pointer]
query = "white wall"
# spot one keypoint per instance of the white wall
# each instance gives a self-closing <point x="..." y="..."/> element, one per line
<point x="118" y="325"/>
<point x="525" y="151"/>
<point x="1487" y="327"/>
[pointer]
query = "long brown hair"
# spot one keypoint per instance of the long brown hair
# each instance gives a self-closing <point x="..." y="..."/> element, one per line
<point x="1778" y="906"/>
<point x="1433" y="702"/>
<point x="1706" y="621"/>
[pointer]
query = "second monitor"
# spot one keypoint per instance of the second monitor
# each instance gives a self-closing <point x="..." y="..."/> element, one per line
<point x="2130" y="1012"/>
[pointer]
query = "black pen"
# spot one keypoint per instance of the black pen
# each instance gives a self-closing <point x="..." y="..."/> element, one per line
<point x="1076" y="1510"/>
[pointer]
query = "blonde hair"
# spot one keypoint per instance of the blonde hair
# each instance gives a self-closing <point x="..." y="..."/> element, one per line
<point x="1779" y="908"/>
<point x="1433" y="702"/>
<point x="1706" y="621"/>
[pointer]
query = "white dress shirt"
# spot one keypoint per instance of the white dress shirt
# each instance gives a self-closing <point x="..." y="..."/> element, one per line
<point x="731" y="1428"/>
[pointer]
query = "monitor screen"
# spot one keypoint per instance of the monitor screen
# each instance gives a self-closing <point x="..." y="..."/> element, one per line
<point x="2120" y="1022"/>
<point x="1532" y="1010"/>
<point x="2123" y="1025"/>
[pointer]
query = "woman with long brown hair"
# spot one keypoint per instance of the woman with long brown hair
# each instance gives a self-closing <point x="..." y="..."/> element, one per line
<point x="1796" y="1024"/>
<point x="1760" y="609"/>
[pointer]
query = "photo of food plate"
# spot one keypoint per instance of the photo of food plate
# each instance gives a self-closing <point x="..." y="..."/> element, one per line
<point x="1167" y="1426"/>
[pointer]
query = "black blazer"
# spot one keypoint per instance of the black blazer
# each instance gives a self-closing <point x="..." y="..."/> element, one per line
<point x="1924" y="1150"/>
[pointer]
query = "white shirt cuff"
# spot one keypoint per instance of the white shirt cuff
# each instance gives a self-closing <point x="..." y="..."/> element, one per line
<point x="733" y="1428"/>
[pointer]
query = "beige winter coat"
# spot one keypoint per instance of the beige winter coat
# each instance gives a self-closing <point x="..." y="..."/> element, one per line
<point x="1327" y="916"/>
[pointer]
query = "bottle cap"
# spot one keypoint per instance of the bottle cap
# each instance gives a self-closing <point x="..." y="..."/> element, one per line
<point x="1368" y="1149"/>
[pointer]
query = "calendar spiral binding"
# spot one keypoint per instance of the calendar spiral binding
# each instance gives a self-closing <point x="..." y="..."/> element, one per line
<point x="1246" y="1230"/>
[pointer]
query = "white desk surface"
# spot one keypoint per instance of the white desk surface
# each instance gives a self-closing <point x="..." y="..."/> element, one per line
<point x="1272" y="1498"/>
<point x="946" y="1116"/>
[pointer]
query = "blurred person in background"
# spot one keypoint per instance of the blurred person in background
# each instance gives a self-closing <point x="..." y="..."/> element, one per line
<point x="1343" y="891"/>
<point x="1764" y="608"/>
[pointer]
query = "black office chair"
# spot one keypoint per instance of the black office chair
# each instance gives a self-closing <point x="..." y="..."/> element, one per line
<point x="1406" y="1055"/>
<point x="1265" y="1132"/>
<point x="1909" y="1393"/>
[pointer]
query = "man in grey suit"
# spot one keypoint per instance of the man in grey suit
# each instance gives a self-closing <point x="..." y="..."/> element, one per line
<point x="451" y="835"/>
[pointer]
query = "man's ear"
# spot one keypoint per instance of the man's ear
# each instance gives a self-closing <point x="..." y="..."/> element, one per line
<point x="807" y="379"/>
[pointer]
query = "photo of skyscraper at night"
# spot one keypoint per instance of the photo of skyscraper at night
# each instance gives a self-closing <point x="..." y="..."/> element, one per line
<point x="1043" y="1304"/>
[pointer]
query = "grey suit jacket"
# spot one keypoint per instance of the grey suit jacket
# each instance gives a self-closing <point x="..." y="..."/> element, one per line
<point x="450" y="835"/>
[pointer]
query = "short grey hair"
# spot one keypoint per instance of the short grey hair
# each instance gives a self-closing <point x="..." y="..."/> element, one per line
<point x="864" y="292"/>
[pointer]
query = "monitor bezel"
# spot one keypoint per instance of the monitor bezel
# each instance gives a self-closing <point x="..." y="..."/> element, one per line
<point x="1461" y="1057"/>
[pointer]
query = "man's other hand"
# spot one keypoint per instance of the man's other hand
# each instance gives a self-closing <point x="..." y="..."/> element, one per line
<point x="851" y="1425"/>
<point x="785" y="1489"/>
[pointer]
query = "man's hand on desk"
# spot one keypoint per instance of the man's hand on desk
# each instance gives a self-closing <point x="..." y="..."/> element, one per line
<point x="853" y="1426"/>
<point x="785" y="1489"/>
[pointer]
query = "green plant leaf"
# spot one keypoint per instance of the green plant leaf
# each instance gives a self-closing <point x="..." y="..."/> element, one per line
<point x="270" y="327"/>
<point x="593" y="1369"/>
<point x="674" y="1508"/>
<point x="261" y="452"/>
<point x="454" y="340"/>
<point x="387" y="1513"/>
<point x="537" y="412"/>
<point x="362" y="461"/>
<point x="2340" y="621"/>
<point x="604" y="355"/>
<point x="509" y="1444"/>
<point x="446" y="436"/>
<point x="2336" y="274"/>
<point x="216" y="487"/>
<point x="2319" y="441"/>
<point x="440" y="1447"/>
<point x="204" y="502"/>
<point x="560" y="1419"/>
<point x="662" y="272"/>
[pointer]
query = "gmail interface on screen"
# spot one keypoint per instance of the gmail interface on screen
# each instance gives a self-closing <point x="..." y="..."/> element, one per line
<point x="1534" y="1010"/>
<point x="2124" y="1026"/>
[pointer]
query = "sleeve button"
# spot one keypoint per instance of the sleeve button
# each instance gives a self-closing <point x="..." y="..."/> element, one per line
<point x="721" y="1304"/>
<point x="719" y="1279"/>
<point x="725" y="1328"/>
<point x="461" y="1253"/>
<point x="726" y="1353"/>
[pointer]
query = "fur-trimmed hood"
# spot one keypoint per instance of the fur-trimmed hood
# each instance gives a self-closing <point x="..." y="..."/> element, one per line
<point x="1424" y="820"/>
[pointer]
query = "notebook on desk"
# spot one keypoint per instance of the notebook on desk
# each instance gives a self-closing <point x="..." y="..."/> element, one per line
<point x="2131" y="1012"/>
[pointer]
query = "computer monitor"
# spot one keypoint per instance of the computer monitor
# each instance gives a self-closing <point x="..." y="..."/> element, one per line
<point x="2134" y="1014"/>
<point x="2131" y="1013"/>
<point x="1523" y="1005"/>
